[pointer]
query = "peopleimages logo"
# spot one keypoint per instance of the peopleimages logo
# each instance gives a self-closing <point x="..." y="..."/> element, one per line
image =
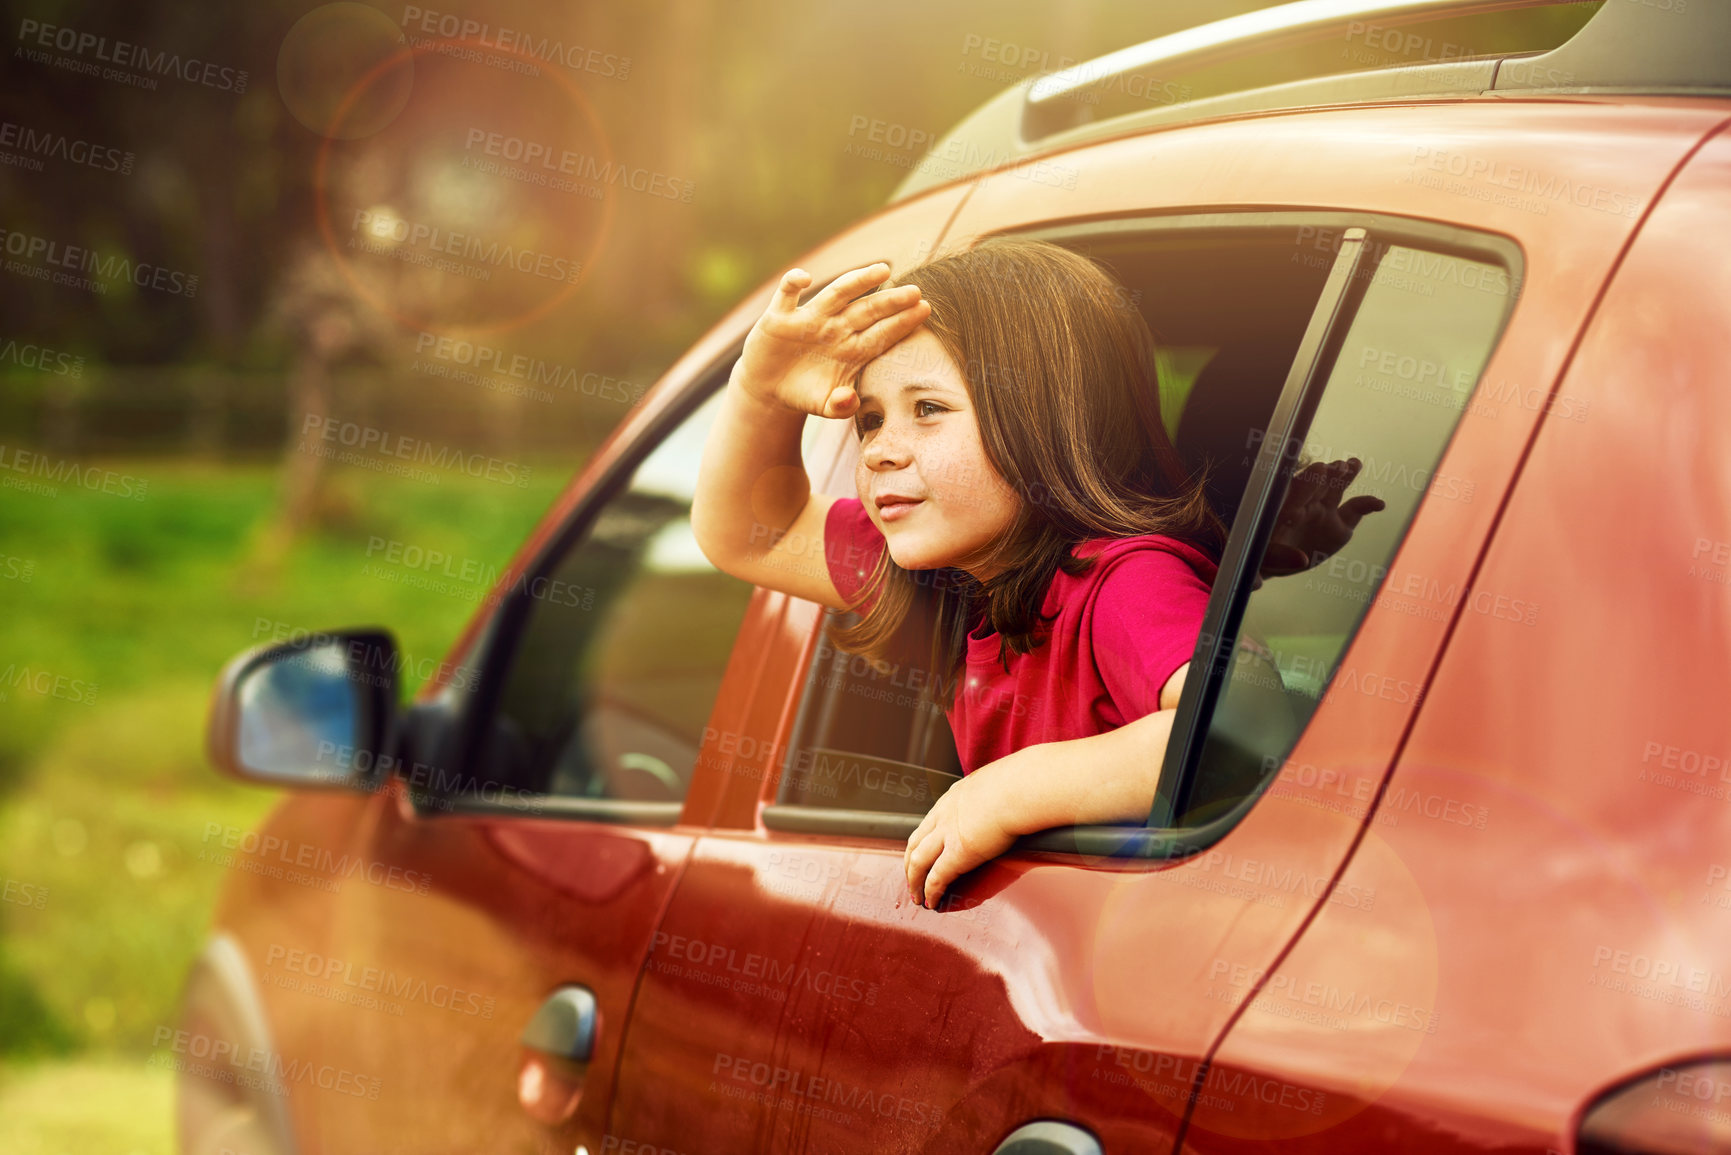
<point x="41" y="358"/>
<point x="581" y="166"/>
<point x="124" y="54"/>
<point x="432" y="785"/>
<point x="28" y="894"/>
<point x="370" y="439"/>
<point x="754" y="973"/>
<point x="254" y="1068"/>
<point x="328" y="969"/>
<point x="809" y="1094"/>
<point x="547" y="49"/>
<point x="312" y="857"/>
<point x="58" y="146"/>
<point x="1173" y="1077"/>
<point x="49" y="474"/>
<point x="1545" y="188"/>
<point x="47" y="684"/>
<point x="57" y="255"/>
<point x="374" y="228"/>
<point x="524" y="367"/>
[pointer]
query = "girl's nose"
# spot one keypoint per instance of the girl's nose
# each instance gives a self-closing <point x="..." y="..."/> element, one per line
<point x="888" y="450"/>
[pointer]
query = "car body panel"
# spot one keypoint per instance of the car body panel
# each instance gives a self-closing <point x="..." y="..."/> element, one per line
<point x="517" y="907"/>
<point x="279" y="889"/>
<point x="1576" y="934"/>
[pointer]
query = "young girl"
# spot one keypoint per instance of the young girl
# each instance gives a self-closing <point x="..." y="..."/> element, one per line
<point x="1017" y="492"/>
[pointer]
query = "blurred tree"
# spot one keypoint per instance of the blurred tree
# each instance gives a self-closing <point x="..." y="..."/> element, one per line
<point x="327" y="324"/>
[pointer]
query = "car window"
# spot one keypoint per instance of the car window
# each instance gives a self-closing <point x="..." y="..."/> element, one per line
<point x="1228" y="313"/>
<point x="871" y="738"/>
<point x="1411" y="356"/>
<point x="621" y="656"/>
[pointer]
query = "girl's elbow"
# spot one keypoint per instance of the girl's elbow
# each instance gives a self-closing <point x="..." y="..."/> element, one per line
<point x="710" y="540"/>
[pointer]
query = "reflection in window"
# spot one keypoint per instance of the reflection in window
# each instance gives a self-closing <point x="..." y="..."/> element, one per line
<point x="621" y="661"/>
<point x="1412" y="356"/>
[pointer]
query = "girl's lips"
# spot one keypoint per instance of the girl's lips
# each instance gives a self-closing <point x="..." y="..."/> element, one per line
<point x="896" y="510"/>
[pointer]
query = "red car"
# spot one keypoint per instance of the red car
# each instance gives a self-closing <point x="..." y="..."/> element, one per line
<point x="1441" y="857"/>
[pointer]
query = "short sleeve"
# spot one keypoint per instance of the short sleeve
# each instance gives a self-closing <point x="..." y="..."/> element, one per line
<point x="851" y="545"/>
<point x="1146" y="617"/>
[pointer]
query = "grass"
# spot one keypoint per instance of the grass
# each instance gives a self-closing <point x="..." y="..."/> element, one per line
<point x="92" y="1105"/>
<point x="115" y="616"/>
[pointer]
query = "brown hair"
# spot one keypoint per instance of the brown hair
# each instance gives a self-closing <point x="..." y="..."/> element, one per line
<point x="1060" y="369"/>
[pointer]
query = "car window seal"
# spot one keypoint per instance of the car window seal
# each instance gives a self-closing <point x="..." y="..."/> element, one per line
<point x="1125" y="844"/>
<point x="561" y="808"/>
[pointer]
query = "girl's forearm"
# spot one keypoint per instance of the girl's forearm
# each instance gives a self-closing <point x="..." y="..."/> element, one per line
<point x="1102" y="779"/>
<point x="752" y="480"/>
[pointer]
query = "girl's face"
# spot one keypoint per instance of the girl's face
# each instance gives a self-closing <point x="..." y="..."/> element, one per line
<point x="923" y="473"/>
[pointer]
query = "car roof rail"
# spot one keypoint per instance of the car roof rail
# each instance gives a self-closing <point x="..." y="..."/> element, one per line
<point x="1668" y="47"/>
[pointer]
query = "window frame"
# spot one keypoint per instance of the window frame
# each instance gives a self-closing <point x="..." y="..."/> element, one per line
<point x="496" y="648"/>
<point x="1363" y="238"/>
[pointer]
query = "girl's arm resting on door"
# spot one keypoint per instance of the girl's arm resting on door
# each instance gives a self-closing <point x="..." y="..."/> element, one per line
<point x="1102" y="779"/>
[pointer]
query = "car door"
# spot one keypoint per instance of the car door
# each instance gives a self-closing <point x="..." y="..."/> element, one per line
<point x="533" y="869"/>
<point x="1550" y="843"/>
<point x="550" y="791"/>
<point x="1078" y="982"/>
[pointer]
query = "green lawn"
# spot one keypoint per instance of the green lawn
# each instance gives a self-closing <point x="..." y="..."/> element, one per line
<point x="104" y="792"/>
<point x="93" y="1105"/>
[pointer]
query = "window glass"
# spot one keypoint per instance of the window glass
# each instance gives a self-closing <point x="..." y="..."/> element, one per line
<point x="1412" y="355"/>
<point x="622" y="653"/>
<point x="869" y="737"/>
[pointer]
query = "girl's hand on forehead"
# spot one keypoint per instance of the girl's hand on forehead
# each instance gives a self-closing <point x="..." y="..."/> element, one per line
<point x="807" y="356"/>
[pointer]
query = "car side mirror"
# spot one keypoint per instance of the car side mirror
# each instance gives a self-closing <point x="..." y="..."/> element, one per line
<point x="319" y="710"/>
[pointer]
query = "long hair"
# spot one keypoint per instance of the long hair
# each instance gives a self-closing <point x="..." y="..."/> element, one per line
<point x="1060" y="369"/>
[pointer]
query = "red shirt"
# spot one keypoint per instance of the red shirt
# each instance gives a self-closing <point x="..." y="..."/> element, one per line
<point x="1121" y="630"/>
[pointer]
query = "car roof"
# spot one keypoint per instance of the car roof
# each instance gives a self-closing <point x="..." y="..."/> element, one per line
<point x="1623" y="51"/>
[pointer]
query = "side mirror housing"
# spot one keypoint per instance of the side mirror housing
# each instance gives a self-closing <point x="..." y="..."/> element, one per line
<point x="319" y="710"/>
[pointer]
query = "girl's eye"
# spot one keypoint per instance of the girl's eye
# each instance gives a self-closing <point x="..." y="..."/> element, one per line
<point x="866" y="422"/>
<point x="920" y="407"/>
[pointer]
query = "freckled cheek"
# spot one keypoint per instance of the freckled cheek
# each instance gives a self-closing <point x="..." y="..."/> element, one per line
<point x="958" y="474"/>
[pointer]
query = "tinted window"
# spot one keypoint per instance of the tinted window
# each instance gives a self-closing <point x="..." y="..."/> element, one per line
<point x="622" y="655"/>
<point x="870" y="738"/>
<point x="1412" y="355"/>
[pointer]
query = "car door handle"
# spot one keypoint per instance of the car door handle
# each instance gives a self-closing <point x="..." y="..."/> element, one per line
<point x="565" y="1024"/>
<point x="1048" y="1137"/>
